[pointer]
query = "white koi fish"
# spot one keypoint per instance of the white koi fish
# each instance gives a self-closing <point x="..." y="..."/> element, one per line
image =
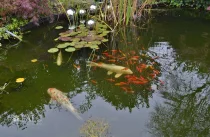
<point x="59" y="59"/>
<point x="62" y="99"/>
<point x="120" y="70"/>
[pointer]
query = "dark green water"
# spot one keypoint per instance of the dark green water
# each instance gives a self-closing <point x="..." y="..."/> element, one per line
<point x="179" y="107"/>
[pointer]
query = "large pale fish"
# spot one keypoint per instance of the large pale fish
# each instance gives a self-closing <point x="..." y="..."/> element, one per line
<point x="62" y="99"/>
<point x="119" y="70"/>
<point x="59" y="59"/>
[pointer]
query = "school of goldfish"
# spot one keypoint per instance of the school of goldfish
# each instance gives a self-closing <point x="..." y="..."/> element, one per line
<point x="144" y="67"/>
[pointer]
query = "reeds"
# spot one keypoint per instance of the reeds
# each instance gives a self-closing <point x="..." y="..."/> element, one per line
<point x="124" y="11"/>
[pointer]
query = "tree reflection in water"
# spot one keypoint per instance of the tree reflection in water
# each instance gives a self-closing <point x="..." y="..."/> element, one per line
<point x="186" y="110"/>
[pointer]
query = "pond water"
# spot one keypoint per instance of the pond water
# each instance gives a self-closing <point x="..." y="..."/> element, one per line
<point x="175" y="103"/>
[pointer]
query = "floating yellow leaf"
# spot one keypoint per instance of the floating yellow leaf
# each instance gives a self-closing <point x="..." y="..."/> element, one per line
<point x="20" y="80"/>
<point x="34" y="60"/>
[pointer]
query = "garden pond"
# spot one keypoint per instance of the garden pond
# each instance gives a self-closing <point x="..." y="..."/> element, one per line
<point x="171" y="54"/>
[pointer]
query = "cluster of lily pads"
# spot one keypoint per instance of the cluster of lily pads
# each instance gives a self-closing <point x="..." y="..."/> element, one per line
<point x="81" y="37"/>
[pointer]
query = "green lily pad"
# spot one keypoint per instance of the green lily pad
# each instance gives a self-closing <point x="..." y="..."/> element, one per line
<point x="106" y="32"/>
<point x="83" y="42"/>
<point x="94" y="47"/>
<point x="59" y="27"/>
<point x="65" y="33"/>
<point x="65" y="38"/>
<point x="53" y="50"/>
<point x="78" y="46"/>
<point x="70" y="49"/>
<point x="88" y="45"/>
<point x="72" y="44"/>
<point x="105" y="40"/>
<point x="102" y="35"/>
<point x="73" y="33"/>
<point x="63" y="45"/>
<point x="76" y="39"/>
<point x="83" y="34"/>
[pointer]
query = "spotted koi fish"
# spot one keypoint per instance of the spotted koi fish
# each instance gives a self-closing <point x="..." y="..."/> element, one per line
<point x="62" y="99"/>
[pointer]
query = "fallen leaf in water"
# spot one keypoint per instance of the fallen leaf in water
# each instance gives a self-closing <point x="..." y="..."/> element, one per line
<point x="20" y="80"/>
<point x="34" y="60"/>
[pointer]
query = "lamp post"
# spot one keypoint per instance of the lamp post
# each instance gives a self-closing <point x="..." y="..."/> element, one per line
<point x="90" y="24"/>
<point x="71" y="15"/>
<point x="93" y="9"/>
<point x="82" y="14"/>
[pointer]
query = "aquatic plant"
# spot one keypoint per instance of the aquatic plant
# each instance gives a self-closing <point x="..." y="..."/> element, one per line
<point x="12" y="30"/>
<point x="2" y="88"/>
<point x="82" y="37"/>
<point x="95" y="128"/>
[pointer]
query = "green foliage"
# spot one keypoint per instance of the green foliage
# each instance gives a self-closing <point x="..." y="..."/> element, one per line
<point x="13" y="26"/>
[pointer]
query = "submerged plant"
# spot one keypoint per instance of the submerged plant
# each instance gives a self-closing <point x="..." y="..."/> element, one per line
<point x="2" y="88"/>
<point x="95" y="128"/>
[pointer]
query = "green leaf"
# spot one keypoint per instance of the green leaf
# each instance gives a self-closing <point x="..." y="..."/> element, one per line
<point x="70" y="49"/>
<point x="53" y="50"/>
<point x="59" y="27"/>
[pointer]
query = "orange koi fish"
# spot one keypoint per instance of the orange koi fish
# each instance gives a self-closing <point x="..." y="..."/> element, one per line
<point x="111" y="80"/>
<point x="94" y="82"/>
<point x="121" y="58"/>
<point x="112" y="60"/>
<point x="133" y="52"/>
<point x="62" y="99"/>
<point x="114" y="51"/>
<point x="77" y="67"/>
<point x="127" y="89"/>
<point x="121" y="84"/>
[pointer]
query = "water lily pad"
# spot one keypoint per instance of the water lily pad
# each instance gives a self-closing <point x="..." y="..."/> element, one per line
<point x="70" y="49"/>
<point x="73" y="33"/>
<point x="59" y="27"/>
<point x="65" y="33"/>
<point x="99" y="38"/>
<point x="102" y="35"/>
<point x="65" y="38"/>
<point x="88" y="45"/>
<point x="83" y="42"/>
<point x="20" y="80"/>
<point x="76" y="39"/>
<point x="34" y="60"/>
<point x="53" y="50"/>
<point x="78" y="46"/>
<point x="83" y="34"/>
<point x="96" y="42"/>
<point x="106" y="32"/>
<point x="63" y="45"/>
<point x="72" y="44"/>
<point x="94" y="47"/>
<point x="104" y="40"/>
